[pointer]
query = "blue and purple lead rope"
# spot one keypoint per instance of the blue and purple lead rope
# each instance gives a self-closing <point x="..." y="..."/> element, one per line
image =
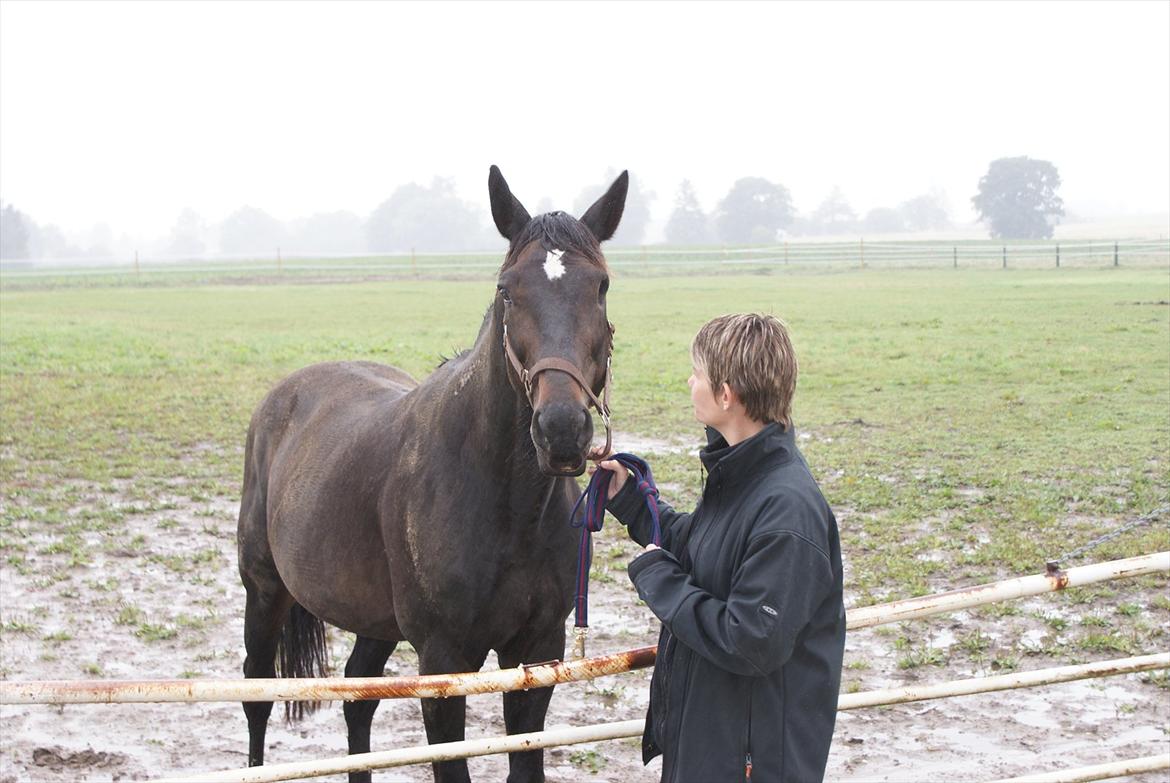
<point x="593" y="501"/>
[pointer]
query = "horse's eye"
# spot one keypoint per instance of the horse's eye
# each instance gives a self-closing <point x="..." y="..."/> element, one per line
<point x="602" y="290"/>
<point x="504" y="293"/>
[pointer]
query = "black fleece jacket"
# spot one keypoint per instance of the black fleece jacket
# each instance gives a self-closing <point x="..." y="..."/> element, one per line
<point x="749" y="591"/>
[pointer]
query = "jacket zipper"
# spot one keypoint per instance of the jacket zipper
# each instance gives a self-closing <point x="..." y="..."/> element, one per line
<point x="664" y="711"/>
<point x="747" y="766"/>
<point x="714" y="498"/>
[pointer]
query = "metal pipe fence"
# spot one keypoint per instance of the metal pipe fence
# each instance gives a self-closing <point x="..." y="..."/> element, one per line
<point x="633" y="728"/>
<point x="547" y="674"/>
<point x="1114" y="769"/>
<point x="645" y="260"/>
<point x="462" y="684"/>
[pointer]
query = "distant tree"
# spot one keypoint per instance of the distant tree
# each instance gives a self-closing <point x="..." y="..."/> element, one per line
<point x="927" y="212"/>
<point x="328" y="233"/>
<point x="834" y="215"/>
<point x="636" y="215"/>
<point x="688" y="225"/>
<point x="14" y="233"/>
<point x="101" y="241"/>
<point x="48" y="241"/>
<point x="753" y="211"/>
<point x="883" y="220"/>
<point x="250" y="230"/>
<point x="428" y="219"/>
<point x="1017" y="198"/>
<point x="186" y="238"/>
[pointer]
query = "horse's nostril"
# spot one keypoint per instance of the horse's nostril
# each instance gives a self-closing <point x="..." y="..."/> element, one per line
<point x="539" y="436"/>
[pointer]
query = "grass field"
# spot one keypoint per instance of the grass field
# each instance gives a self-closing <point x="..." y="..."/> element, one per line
<point x="965" y="425"/>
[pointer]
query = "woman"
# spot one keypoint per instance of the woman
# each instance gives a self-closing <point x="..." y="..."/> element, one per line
<point x="748" y="586"/>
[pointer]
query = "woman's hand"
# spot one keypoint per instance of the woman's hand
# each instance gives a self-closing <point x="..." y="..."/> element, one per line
<point x="620" y="474"/>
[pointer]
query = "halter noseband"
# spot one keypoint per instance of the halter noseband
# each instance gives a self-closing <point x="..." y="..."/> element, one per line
<point x="527" y="378"/>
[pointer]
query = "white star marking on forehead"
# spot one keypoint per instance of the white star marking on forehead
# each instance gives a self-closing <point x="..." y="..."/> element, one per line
<point x="553" y="266"/>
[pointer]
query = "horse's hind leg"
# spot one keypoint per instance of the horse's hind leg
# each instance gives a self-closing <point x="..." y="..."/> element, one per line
<point x="367" y="660"/>
<point x="265" y="613"/>
<point x="264" y="617"/>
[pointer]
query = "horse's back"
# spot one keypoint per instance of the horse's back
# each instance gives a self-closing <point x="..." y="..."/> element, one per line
<point x="317" y="456"/>
<point x="329" y="395"/>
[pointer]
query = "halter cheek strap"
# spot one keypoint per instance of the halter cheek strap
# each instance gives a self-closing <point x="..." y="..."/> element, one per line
<point x="527" y="378"/>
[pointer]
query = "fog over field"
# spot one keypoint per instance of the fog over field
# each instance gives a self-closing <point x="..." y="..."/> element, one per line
<point x="130" y="126"/>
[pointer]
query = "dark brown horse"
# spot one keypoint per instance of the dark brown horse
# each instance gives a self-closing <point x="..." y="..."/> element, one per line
<point x="435" y="512"/>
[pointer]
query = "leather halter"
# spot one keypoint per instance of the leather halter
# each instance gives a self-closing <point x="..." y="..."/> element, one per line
<point x="527" y="378"/>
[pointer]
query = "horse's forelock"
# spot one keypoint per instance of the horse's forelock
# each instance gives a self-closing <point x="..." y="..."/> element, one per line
<point x="556" y="231"/>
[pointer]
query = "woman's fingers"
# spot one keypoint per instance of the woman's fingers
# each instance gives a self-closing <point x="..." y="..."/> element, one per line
<point x="620" y="473"/>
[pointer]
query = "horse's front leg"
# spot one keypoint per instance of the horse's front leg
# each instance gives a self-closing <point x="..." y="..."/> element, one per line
<point x="445" y="719"/>
<point x="524" y="711"/>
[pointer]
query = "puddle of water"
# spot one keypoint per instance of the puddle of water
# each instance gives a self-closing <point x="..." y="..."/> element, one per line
<point x="1033" y="639"/>
<point x="635" y="444"/>
<point x="942" y="639"/>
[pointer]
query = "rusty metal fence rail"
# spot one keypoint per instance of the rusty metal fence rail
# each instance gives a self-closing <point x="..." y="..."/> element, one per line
<point x="443" y="685"/>
<point x="633" y="728"/>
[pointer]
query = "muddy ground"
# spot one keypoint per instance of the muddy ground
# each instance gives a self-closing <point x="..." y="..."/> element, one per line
<point x="135" y="613"/>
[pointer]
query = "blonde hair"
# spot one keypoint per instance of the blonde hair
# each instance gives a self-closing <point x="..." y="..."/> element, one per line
<point x="752" y="354"/>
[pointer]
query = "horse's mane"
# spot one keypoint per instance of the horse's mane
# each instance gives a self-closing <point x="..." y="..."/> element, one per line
<point x="556" y="231"/>
<point x="456" y="355"/>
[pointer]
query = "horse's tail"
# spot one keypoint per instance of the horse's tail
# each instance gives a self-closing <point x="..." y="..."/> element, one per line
<point x="302" y="652"/>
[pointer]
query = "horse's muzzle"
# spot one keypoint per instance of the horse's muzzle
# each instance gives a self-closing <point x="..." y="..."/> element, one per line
<point x="561" y="432"/>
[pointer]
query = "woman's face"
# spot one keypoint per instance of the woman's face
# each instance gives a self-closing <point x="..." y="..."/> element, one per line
<point x="707" y="409"/>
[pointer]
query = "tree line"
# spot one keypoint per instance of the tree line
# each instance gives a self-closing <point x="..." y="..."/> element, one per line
<point x="757" y="211"/>
<point x="1016" y="199"/>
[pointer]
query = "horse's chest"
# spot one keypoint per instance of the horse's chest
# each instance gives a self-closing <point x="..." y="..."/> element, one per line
<point x="478" y="568"/>
<point x="497" y="586"/>
<point x="539" y="597"/>
<point x="519" y="580"/>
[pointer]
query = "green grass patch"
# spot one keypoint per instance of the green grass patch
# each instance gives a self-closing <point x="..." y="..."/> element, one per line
<point x="966" y="425"/>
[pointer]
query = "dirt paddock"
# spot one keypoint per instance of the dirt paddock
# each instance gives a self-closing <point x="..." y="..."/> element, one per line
<point x="97" y="626"/>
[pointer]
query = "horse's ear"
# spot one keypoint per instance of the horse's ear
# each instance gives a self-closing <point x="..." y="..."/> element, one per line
<point x="510" y="215"/>
<point x="603" y="217"/>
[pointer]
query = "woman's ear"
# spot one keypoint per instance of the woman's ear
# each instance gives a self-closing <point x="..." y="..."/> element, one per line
<point x="727" y="397"/>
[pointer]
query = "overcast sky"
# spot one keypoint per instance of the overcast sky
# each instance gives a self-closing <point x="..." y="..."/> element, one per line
<point x="125" y="113"/>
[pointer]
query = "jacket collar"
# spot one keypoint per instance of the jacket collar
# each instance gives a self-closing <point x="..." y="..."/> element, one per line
<point x="730" y="464"/>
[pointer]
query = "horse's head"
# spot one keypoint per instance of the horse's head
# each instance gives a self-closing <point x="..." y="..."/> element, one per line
<point x="557" y="339"/>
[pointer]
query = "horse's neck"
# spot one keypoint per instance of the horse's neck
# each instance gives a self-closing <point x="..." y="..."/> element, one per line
<point x="481" y="398"/>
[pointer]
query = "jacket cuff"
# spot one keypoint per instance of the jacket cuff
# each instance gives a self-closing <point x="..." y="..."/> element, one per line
<point x="644" y="561"/>
<point x="627" y="503"/>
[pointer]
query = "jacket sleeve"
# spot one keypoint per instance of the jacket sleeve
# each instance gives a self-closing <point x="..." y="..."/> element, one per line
<point x="629" y="507"/>
<point x="775" y="592"/>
